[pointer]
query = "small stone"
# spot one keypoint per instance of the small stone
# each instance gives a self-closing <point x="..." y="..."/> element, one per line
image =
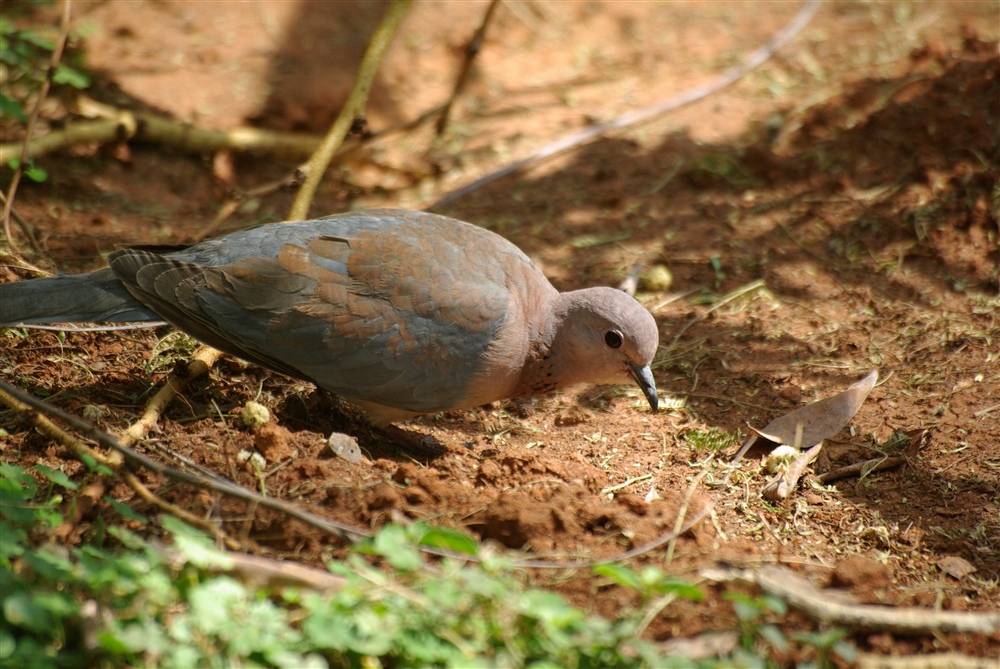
<point x="274" y="442"/>
<point x="573" y="415"/>
<point x="859" y="572"/>
<point x="779" y="458"/>
<point x="657" y="279"/>
<point x="255" y="415"/>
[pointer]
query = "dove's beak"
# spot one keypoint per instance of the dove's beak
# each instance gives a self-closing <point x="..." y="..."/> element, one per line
<point x="643" y="375"/>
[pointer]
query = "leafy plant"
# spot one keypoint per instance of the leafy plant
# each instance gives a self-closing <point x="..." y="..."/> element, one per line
<point x="118" y="601"/>
<point x="827" y="644"/>
<point x="713" y="439"/>
<point x="25" y="60"/>
<point x="750" y="613"/>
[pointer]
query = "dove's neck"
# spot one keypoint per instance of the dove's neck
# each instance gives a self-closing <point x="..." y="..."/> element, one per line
<point x="549" y="365"/>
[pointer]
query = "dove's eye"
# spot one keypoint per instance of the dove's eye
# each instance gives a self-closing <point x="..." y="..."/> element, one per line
<point x="613" y="338"/>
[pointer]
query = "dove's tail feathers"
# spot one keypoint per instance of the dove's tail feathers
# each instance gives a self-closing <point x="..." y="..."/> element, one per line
<point x="98" y="297"/>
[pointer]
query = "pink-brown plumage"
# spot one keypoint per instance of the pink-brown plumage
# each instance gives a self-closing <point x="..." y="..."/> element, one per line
<point x="400" y="312"/>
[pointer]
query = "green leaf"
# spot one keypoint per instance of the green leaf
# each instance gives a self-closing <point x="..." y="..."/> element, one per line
<point x="56" y="476"/>
<point x="8" y="56"/>
<point x="21" y="610"/>
<point x="14" y="508"/>
<point x="663" y="585"/>
<point x="621" y="574"/>
<point x="50" y="562"/>
<point x="30" y="37"/>
<point x="95" y="466"/>
<point x="774" y="636"/>
<point x="846" y="650"/>
<point x="65" y="74"/>
<point x="549" y="607"/>
<point x="775" y="604"/>
<point x="124" y="510"/>
<point x="447" y="539"/>
<point x="12" y="542"/>
<point x="393" y="544"/>
<point x="7" y="644"/>
<point x="11" y="108"/>
<point x="36" y="174"/>
<point x="114" y="644"/>
<point x="32" y="171"/>
<point x="213" y="602"/>
<point x="195" y="545"/>
<point x="130" y="540"/>
<point x="15" y="478"/>
<point x="747" y="608"/>
<point x="58" y="604"/>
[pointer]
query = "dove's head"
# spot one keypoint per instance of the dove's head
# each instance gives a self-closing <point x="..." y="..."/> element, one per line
<point x="602" y="335"/>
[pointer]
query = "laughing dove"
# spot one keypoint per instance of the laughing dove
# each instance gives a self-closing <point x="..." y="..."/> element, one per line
<point x="399" y="312"/>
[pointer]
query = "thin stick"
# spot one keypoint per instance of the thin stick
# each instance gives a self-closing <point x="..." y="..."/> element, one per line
<point x="200" y="363"/>
<point x="983" y="412"/>
<point x="353" y="109"/>
<point x="215" y="483"/>
<point x="731" y="75"/>
<point x="818" y="604"/>
<point x="114" y="463"/>
<point x="29" y="233"/>
<point x="622" y="486"/>
<point x="861" y="469"/>
<point x="35" y="112"/>
<point x="471" y="51"/>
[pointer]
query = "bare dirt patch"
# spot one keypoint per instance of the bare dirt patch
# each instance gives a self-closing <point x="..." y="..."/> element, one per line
<point x="855" y="175"/>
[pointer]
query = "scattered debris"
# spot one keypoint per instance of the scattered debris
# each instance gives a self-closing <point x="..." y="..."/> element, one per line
<point x="344" y="446"/>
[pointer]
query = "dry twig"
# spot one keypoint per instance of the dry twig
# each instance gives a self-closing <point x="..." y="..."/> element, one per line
<point x="201" y="361"/>
<point x="861" y="469"/>
<point x="471" y="51"/>
<point x="131" y="457"/>
<point x="353" y="109"/>
<point x="8" y="202"/>
<point x="24" y="404"/>
<point x="261" y="572"/>
<point x="818" y="604"/>
<point x="580" y="137"/>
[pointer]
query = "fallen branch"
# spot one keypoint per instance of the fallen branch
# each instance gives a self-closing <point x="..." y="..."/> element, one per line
<point x="930" y="661"/>
<point x="818" y="604"/>
<point x="214" y="483"/>
<point x="754" y="60"/>
<point x="258" y="572"/>
<point x="142" y="126"/>
<point x="861" y="469"/>
<point x="353" y="109"/>
<point x="201" y="361"/>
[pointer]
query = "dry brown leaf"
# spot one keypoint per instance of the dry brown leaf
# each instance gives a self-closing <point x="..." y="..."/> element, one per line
<point x="820" y="420"/>
<point x="806" y="427"/>
<point x="955" y="567"/>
